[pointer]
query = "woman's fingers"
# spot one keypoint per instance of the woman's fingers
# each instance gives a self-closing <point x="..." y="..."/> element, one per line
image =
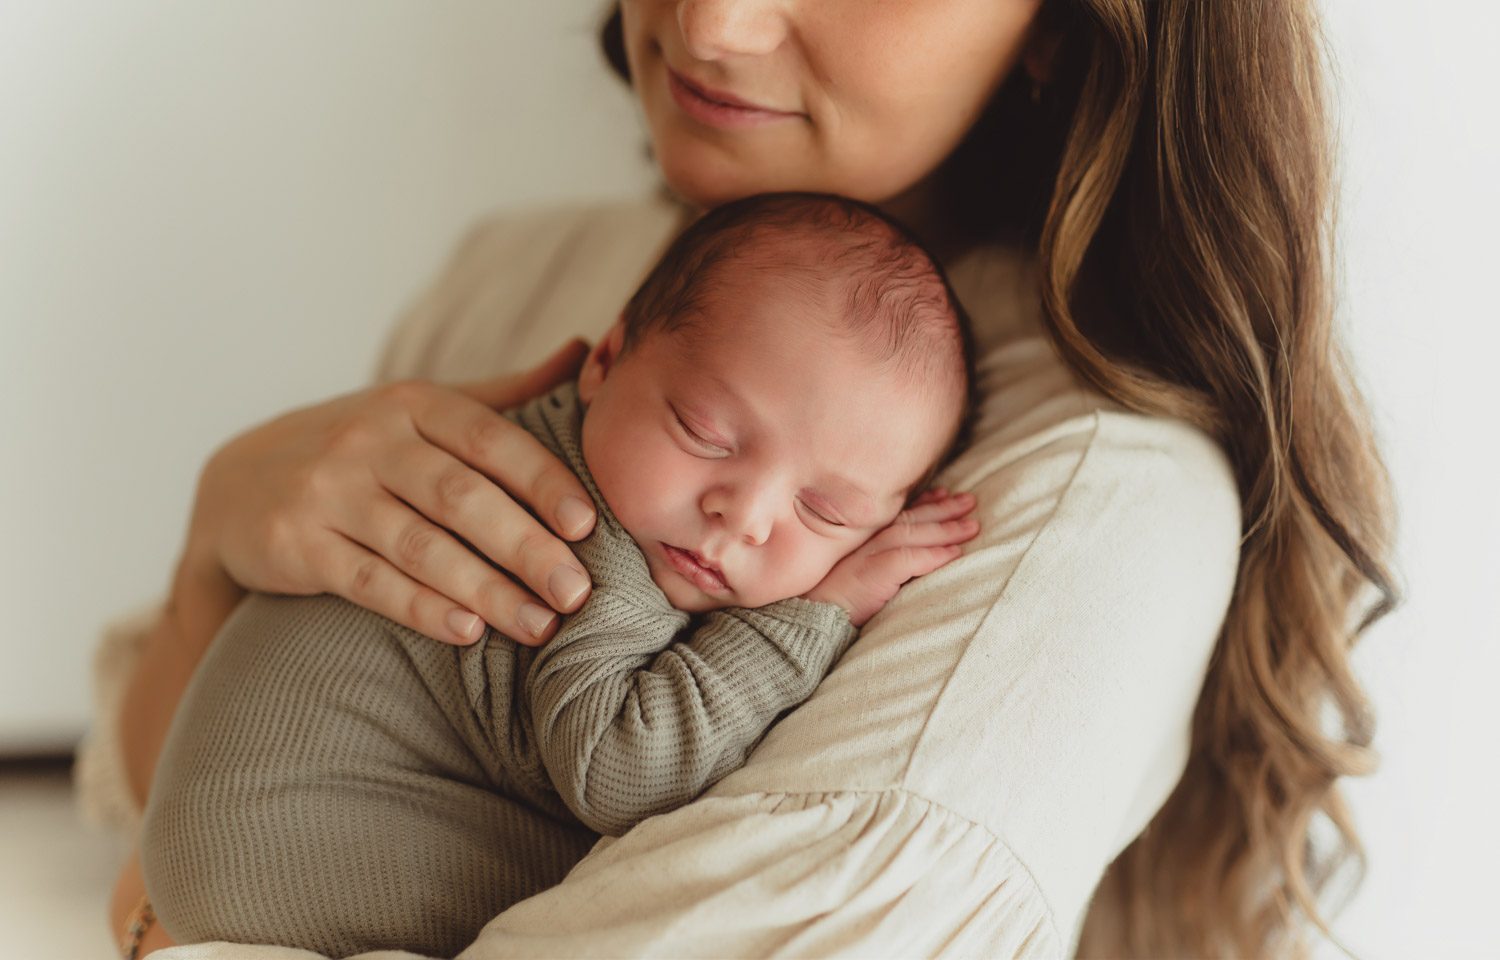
<point x="455" y="497"/>
<point x="432" y="555"/>
<point x="374" y="583"/>
<point x="368" y="579"/>
<point x="510" y="456"/>
<point x="332" y="497"/>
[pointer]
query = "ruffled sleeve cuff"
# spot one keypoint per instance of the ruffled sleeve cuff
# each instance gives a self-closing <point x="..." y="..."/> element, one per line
<point x="100" y="785"/>
<point x="881" y="873"/>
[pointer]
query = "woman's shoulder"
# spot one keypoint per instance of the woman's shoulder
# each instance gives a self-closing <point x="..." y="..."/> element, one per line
<point x="1043" y="684"/>
<point x="522" y="281"/>
<point x="1031" y="403"/>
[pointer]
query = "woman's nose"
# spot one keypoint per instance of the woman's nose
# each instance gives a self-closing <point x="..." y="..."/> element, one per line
<point x="715" y="29"/>
<point x="747" y="513"/>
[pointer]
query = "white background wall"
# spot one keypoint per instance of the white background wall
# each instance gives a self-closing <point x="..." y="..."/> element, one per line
<point x="187" y="189"/>
<point x="210" y="212"/>
<point x="1421" y="210"/>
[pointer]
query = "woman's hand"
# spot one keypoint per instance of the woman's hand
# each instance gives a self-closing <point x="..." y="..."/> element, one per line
<point x="357" y="496"/>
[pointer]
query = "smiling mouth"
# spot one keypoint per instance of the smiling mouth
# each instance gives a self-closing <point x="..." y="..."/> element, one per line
<point x="719" y="97"/>
<point x="696" y="570"/>
<point x="719" y="109"/>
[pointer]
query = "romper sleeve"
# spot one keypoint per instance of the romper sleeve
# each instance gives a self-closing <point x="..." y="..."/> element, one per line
<point x="631" y="723"/>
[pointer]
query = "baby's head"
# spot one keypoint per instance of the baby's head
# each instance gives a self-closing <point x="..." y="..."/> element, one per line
<point x="793" y="370"/>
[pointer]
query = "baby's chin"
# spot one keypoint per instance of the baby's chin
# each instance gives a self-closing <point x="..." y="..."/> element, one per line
<point x="688" y="598"/>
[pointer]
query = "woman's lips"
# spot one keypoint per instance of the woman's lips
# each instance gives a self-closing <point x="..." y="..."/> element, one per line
<point x="695" y="570"/>
<point x="718" y="109"/>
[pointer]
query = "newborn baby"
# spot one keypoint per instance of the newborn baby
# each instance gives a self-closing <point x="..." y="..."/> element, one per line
<point x="776" y="394"/>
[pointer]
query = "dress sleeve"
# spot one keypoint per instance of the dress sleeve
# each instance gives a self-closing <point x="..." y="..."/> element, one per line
<point x="631" y="723"/>
<point x="963" y="777"/>
<point x="99" y="780"/>
<point x="1003" y="728"/>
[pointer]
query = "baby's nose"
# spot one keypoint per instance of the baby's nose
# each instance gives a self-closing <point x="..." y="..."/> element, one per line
<point x="747" y="513"/>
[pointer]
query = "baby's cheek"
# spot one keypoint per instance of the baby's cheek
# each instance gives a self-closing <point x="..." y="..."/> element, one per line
<point x="634" y="472"/>
<point x="806" y="568"/>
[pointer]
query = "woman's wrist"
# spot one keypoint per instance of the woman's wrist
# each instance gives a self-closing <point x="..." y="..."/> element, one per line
<point x="202" y="591"/>
<point x="200" y="599"/>
<point x="202" y="596"/>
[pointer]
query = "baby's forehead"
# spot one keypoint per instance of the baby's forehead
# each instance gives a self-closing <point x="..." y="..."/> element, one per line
<point x="818" y="397"/>
<point x="726" y="341"/>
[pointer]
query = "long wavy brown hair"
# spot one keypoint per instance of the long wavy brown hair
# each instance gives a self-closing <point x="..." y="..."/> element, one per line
<point x="1175" y="175"/>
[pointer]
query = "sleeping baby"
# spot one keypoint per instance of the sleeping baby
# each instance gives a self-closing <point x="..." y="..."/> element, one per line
<point x="757" y="432"/>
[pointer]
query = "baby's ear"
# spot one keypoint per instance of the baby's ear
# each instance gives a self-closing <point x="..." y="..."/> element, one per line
<point x="604" y="355"/>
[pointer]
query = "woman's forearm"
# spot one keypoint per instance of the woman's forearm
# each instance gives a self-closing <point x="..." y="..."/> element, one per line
<point x="201" y="599"/>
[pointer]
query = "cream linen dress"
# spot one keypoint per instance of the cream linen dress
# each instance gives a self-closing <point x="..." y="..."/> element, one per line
<point x="996" y="736"/>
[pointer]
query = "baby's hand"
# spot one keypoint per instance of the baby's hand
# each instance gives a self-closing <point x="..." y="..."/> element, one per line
<point x="924" y="537"/>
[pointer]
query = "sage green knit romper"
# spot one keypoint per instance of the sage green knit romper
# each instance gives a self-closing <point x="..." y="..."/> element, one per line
<point x="337" y="782"/>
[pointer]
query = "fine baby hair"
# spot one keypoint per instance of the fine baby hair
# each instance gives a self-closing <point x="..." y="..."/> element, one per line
<point x="875" y="280"/>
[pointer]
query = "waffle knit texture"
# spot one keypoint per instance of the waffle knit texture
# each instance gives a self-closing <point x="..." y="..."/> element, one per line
<point x="337" y="782"/>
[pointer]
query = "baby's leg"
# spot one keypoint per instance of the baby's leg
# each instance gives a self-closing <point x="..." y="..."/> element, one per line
<point x="316" y="791"/>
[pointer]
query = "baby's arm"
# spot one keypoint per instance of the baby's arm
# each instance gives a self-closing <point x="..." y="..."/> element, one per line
<point x="630" y="725"/>
<point x="627" y="729"/>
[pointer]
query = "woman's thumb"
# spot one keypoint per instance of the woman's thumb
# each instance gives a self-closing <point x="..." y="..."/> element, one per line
<point x="514" y="389"/>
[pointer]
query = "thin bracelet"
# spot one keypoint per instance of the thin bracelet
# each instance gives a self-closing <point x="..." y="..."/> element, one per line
<point x="141" y="919"/>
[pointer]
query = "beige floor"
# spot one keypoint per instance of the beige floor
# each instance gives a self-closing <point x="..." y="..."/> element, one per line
<point x="55" y="870"/>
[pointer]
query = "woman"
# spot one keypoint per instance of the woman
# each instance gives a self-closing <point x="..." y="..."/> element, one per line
<point x="1180" y="497"/>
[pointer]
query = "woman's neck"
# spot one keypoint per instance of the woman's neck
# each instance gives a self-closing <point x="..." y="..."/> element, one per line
<point x="919" y="210"/>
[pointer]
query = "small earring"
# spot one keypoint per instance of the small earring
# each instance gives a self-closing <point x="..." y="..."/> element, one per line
<point x="1036" y="92"/>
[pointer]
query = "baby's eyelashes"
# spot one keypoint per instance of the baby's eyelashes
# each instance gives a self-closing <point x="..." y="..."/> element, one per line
<point x="819" y="515"/>
<point x="697" y="439"/>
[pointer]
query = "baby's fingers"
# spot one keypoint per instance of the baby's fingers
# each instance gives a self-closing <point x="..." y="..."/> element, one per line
<point x="940" y="520"/>
<point x="902" y="564"/>
<point x="943" y="507"/>
<point x="928" y="495"/>
<point x="931" y="533"/>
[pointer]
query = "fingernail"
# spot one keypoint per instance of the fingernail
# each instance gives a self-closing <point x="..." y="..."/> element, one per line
<point x="574" y="516"/>
<point x="534" y="619"/>
<point x="567" y="585"/>
<point x="465" y="624"/>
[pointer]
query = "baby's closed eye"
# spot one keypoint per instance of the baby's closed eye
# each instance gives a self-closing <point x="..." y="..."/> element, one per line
<point x="824" y="516"/>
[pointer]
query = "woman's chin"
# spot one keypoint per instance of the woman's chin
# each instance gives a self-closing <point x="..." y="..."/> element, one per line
<point x="705" y="175"/>
<point x="702" y="182"/>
